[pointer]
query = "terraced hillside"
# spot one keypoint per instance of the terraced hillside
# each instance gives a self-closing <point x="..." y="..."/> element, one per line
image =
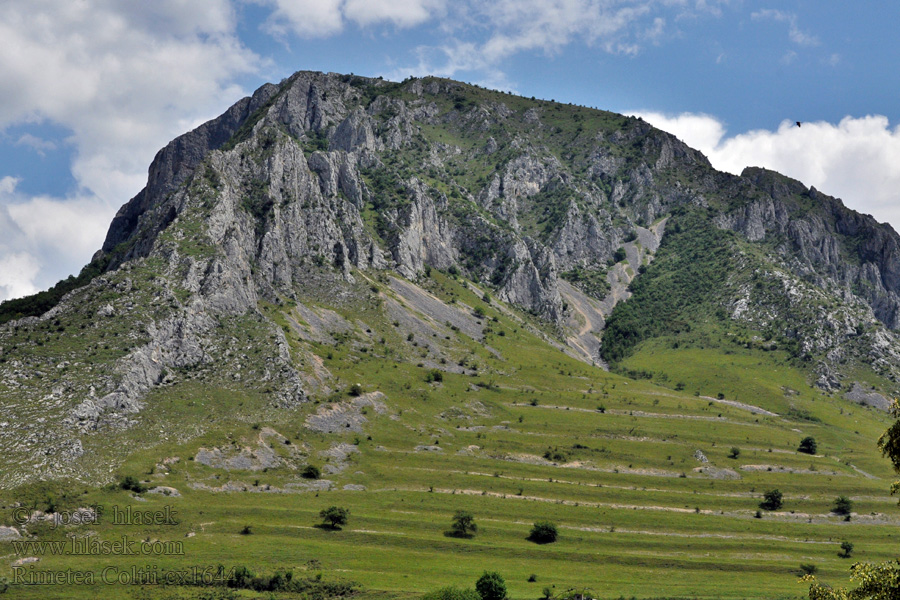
<point x="639" y="479"/>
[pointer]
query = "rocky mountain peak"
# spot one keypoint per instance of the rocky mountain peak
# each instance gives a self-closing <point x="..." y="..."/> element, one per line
<point x="602" y="230"/>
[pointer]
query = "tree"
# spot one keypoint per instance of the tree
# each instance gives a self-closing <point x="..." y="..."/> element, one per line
<point x="846" y="549"/>
<point x="543" y="532"/>
<point x="463" y="524"/>
<point x="335" y="516"/>
<point x="842" y="506"/>
<point x="807" y="445"/>
<point x="311" y="472"/>
<point x="491" y="586"/>
<point x="772" y="500"/>
<point x="735" y="452"/>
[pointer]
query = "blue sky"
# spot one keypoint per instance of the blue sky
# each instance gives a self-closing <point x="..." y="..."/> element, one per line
<point x="91" y="89"/>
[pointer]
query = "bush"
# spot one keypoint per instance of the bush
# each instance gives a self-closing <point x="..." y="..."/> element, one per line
<point x="543" y="532"/>
<point x="735" y="452"/>
<point x="807" y="445"/>
<point x="335" y="516"/>
<point x="311" y="472"/>
<point x="463" y="524"/>
<point x="452" y="593"/>
<point x="772" y="500"/>
<point x="556" y="455"/>
<point x="842" y="506"/>
<point x="130" y="482"/>
<point x="355" y="389"/>
<point x="846" y="549"/>
<point x="808" y="568"/>
<point x="491" y="586"/>
<point x="434" y="375"/>
<point x="247" y="530"/>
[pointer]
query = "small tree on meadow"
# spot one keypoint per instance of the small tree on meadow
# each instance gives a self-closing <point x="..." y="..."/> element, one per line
<point x="335" y="516"/>
<point x="543" y="532"/>
<point x="491" y="586"/>
<point x="772" y="500"/>
<point x="807" y="445"/>
<point x="463" y="524"/>
<point x="842" y="506"/>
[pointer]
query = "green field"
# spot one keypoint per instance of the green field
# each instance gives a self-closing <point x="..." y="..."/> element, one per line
<point x="639" y="514"/>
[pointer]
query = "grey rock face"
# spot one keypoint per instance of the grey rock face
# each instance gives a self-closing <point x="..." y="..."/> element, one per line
<point x="815" y="237"/>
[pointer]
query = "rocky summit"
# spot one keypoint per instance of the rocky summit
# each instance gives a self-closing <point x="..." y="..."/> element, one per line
<point x="319" y="211"/>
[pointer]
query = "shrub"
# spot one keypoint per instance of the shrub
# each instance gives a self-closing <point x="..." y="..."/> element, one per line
<point x="130" y="482"/>
<point x="335" y="516"/>
<point x="842" y="506"/>
<point x="491" y="586"/>
<point x="532" y="578"/>
<point x="735" y="452"/>
<point x="463" y="524"/>
<point x="772" y="500"/>
<point x="247" y="530"/>
<point x="434" y="375"/>
<point x="479" y="312"/>
<point x="311" y="472"/>
<point x="355" y="389"/>
<point x="452" y="593"/>
<point x="543" y="532"/>
<point x="556" y="455"/>
<point x="846" y="549"/>
<point x="808" y="568"/>
<point x="807" y="445"/>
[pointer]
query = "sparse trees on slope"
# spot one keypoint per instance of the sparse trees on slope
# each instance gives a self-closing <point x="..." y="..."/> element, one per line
<point x="877" y="581"/>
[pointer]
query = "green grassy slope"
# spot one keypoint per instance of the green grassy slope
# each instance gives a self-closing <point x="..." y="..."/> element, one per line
<point x="638" y="513"/>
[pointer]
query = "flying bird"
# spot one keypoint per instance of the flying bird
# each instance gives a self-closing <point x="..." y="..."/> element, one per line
<point x="798" y="123"/>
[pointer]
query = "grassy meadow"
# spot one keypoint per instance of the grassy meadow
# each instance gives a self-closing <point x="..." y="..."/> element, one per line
<point x="654" y="485"/>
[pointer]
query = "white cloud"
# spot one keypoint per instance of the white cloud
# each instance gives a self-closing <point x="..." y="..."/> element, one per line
<point x="123" y="78"/>
<point x="60" y="227"/>
<point x="481" y="35"/>
<point x="857" y="160"/>
<point x="322" y="18"/>
<point x="39" y="145"/>
<point x="402" y="13"/>
<point x="795" y="34"/>
<point x="8" y="184"/>
<point x="45" y="239"/>
<point x="17" y="273"/>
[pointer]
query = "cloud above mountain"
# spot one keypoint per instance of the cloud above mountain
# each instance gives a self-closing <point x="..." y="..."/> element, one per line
<point x="122" y="79"/>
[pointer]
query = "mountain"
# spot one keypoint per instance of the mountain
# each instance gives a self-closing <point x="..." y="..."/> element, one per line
<point x="335" y="247"/>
